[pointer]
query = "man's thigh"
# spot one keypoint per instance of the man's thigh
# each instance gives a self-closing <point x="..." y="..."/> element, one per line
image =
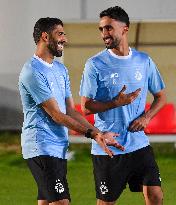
<point x="50" y="176"/>
<point x="110" y="176"/>
<point x="145" y="171"/>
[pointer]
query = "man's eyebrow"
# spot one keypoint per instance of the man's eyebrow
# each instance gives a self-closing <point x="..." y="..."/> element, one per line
<point x="106" y="26"/>
<point x="61" y="33"/>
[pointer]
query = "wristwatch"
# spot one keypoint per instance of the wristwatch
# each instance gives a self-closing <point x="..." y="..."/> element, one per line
<point x="88" y="134"/>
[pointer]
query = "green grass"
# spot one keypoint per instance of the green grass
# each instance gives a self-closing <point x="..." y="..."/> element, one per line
<point x="17" y="186"/>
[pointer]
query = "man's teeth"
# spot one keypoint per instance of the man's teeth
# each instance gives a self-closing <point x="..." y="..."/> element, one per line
<point x="107" y="40"/>
<point x="60" y="46"/>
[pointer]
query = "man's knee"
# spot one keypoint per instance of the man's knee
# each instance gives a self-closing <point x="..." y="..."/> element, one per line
<point x="43" y="202"/>
<point x="100" y="202"/>
<point x="60" y="202"/>
<point x="154" y="195"/>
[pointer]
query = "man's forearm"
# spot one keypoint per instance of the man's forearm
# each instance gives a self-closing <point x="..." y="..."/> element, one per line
<point x="70" y="123"/>
<point x="157" y="104"/>
<point x="92" y="107"/>
<point x="78" y="117"/>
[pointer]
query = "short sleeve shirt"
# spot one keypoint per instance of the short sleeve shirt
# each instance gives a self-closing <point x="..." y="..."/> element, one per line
<point x="103" y="78"/>
<point x="38" y="82"/>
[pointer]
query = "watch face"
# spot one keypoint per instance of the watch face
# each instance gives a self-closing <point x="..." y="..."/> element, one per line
<point x="88" y="133"/>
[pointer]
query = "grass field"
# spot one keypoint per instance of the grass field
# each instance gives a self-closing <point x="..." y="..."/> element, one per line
<point x="18" y="188"/>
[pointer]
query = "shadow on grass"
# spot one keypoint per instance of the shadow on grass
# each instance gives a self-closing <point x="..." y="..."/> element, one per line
<point x="20" y="162"/>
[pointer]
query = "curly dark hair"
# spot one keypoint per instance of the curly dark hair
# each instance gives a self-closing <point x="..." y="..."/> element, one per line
<point x="116" y="13"/>
<point x="45" y="25"/>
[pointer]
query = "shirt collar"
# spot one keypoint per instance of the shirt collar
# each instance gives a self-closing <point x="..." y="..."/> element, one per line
<point x="42" y="61"/>
<point x="121" y="57"/>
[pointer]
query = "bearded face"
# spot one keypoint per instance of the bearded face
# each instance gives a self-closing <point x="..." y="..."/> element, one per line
<point x="111" y="42"/>
<point x="112" y="32"/>
<point x="55" y="46"/>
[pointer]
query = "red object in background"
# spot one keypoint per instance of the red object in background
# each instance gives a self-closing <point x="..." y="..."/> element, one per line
<point x="90" y="118"/>
<point x="164" y="121"/>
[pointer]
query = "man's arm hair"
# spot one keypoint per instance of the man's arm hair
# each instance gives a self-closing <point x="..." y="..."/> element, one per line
<point x="70" y="107"/>
<point x="90" y="106"/>
<point x="158" y="102"/>
<point x="141" y="123"/>
<point x="51" y="107"/>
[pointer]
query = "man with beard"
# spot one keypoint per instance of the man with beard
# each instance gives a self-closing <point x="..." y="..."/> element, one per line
<point x="102" y="90"/>
<point x="48" y="110"/>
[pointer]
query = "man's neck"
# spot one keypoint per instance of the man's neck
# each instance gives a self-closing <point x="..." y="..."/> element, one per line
<point x="44" y="55"/>
<point x="122" y="50"/>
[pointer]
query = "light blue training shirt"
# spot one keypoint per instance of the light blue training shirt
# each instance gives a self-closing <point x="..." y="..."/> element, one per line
<point x="103" y="78"/>
<point x="38" y="82"/>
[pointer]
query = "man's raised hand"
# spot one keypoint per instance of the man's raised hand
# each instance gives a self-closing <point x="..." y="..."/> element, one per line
<point x="125" y="99"/>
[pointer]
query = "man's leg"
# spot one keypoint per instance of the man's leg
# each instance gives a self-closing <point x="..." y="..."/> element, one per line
<point x="50" y="176"/>
<point x="60" y="202"/>
<point x="111" y="177"/>
<point x="153" y="195"/>
<point x="152" y="191"/>
<point x="43" y="202"/>
<point x="100" y="202"/>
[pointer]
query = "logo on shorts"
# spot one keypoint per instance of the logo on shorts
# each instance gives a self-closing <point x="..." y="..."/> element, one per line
<point x="59" y="186"/>
<point x="103" y="188"/>
<point x="159" y="177"/>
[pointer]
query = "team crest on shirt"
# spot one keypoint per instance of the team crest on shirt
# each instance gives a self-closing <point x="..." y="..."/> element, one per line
<point x="59" y="186"/>
<point x="138" y="75"/>
<point x="114" y="77"/>
<point x="103" y="188"/>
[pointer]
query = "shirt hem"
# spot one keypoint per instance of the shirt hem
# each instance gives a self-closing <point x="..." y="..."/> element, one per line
<point x="126" y="152"/>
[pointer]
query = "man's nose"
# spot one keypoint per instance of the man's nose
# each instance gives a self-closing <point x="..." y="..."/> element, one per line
<point x="105" y="32"/>
<point x="65" y="39"/>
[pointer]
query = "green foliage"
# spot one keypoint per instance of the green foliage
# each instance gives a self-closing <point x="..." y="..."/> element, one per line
<point x="17" y="186"/>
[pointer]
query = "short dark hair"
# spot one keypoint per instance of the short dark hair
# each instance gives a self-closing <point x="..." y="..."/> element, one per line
<point x="116" y="13"/>
<point x="45" y="25"/>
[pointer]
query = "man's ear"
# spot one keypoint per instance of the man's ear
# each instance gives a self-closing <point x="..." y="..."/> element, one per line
<point x="44" y="36"/>
<point x="125" y="30"/>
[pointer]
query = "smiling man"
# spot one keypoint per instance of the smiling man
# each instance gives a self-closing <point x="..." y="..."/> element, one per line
<point x="48" y="110"/>
<point x="103" y="93"/>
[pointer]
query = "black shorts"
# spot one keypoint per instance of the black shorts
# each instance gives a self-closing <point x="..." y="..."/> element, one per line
<point x="50" y="176"/>
<point x="113" y="174"/>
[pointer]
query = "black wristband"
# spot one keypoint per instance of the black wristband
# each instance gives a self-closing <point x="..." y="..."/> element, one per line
<point x="88" y="134"/>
